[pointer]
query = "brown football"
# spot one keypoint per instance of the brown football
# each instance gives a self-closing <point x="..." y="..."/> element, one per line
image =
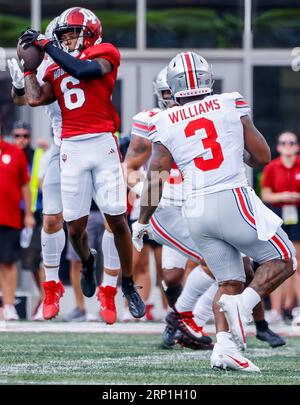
<point x="31" y="56"/>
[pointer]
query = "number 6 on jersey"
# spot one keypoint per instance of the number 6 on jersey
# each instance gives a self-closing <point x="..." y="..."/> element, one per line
<point x="74" y="97"/>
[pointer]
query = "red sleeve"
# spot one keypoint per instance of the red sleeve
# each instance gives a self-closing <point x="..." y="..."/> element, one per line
<point x="48" y="76"/>
<point x="23" y="169"/>
<point x="105" y="51"/>
<point x="267" y="176"/>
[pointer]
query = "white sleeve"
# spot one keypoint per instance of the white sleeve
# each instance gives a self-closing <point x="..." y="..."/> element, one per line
<point x="140" y="125"/>
<point x="241" y="105"/>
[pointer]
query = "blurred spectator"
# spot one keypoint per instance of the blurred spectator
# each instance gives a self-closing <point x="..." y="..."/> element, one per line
<point x="14" y="185"/>
<point x="281" y="191"/>
<point x="95" y="230"/>
<point x="31" y="256"/>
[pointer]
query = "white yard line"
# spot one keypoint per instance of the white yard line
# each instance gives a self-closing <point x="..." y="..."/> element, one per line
<point x="154" y="328"/>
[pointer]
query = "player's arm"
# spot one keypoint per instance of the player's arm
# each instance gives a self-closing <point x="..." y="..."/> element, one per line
<point x="37" y="94"/>
<point x="80" y="69"/>
<point x="158" y="172"/>
<point x="137" y="155"/>
<point x="259" y="153"/>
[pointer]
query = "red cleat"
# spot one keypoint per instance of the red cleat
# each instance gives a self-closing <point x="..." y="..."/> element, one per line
<point x="106" y="297"/>
<point x="53" y="293"/>
<point x="148" y="315"/>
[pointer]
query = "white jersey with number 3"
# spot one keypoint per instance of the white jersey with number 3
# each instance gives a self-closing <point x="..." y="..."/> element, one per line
<point x="206" y="140"/>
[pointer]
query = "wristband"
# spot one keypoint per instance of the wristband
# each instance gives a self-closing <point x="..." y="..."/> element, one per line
<point x="19" y="92"/>
<point x="29" y="72"/>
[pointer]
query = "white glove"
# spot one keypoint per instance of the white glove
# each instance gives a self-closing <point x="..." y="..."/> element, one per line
<point x="138" y="231"/>
<point x="16" y="73"/>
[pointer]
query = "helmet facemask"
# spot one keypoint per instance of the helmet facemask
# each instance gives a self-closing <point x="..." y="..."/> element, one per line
<point x="81" y="31"/>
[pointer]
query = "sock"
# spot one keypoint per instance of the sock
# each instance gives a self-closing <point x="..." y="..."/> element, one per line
<point x="172" y="294"/>
<point x="250" y="298"/>
<point x="127" y="281"/>
<point x="109" y="280"/>
<point x="261" y="326"/>
<point x="196" y="284"/>
<point x="52" y="247"/>
<point x="51" y="274"/>
<point x="88" y="264"/>
<point x="224" y="339"/>
<point x="111" y="258"/>
<point x="203" y="308"/>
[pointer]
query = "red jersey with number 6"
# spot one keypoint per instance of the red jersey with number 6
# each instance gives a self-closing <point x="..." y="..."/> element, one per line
<point x="206" y="140"/>
<point x="86" y="105"/>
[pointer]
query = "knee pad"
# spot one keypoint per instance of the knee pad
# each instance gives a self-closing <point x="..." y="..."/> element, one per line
<point x="110" y="254"/>
<point x="52" y="247"/>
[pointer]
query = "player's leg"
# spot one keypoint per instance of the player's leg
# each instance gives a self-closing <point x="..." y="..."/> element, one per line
<point x="77" y="192"/>
<point x="263" y="332"/>
<point x="108" y="288"/>
<point x="173" y="264"/>
<point x="110" y="190"/>
<point x="78" y="313"/>
<point x="275" y="257"/>
<point x="225" y="262"/>
<point x="52" y="236"/>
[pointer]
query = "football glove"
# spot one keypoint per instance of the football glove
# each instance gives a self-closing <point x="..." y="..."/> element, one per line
<point x="138" y="231"/>
<point x="33" y="38"/>
<point x="16" y="73"/>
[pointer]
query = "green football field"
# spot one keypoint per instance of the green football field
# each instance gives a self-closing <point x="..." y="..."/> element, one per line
<point x="92" y="358"/>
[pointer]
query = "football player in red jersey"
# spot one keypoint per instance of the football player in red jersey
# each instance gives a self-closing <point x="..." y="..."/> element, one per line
<point x="89" y="159"/>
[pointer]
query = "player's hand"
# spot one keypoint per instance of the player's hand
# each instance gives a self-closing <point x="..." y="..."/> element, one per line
<point x="138" y="231"/>
<point x="29" y="221"/>
<point x="33" y="38"/>
<point x="16" y="73"/>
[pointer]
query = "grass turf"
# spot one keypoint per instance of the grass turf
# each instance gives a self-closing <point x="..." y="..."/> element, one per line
<point x="90" y="358"/>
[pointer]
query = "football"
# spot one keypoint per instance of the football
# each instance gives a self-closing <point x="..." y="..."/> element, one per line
<point x="31" y="57"/>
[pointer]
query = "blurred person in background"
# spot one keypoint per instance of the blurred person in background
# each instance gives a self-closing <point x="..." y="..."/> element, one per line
<point x="281" y="191"/>
<point x="14" y="186"/>
<point x="95" y="230"/>
<point x="31" y="256"/>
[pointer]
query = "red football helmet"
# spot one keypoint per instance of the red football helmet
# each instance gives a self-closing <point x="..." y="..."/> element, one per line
<point x="83" y="21"/>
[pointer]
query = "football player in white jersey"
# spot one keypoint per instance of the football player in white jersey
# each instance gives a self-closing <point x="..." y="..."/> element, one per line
<point x="166" y="225"/>
<point x="169" y="228"/>
<point x="206" y="136"/>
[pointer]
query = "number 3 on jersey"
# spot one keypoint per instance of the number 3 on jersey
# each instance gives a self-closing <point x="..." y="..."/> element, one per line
<point x="74" y="97"/>
<point x="208" y="143"/>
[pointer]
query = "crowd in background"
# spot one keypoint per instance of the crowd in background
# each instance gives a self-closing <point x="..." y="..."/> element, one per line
<point x="22" y="169"/>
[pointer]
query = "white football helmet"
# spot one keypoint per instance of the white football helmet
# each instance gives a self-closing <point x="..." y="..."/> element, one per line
<point x="189" y="75"/>
<point x="159" y="85"/>
<point x="50" y="27"/>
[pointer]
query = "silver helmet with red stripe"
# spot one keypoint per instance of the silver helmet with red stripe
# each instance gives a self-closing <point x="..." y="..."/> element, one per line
<point x="189" y="75"/>
<point x="162" y="90"/>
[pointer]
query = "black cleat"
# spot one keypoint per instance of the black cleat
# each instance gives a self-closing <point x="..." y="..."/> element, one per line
<point x="168" y="337"/>
<point x="186" y="324"/>
<point x="189" y="343"/>
<point x="270" y="337"/>
<point x="136" y="305"/>
<point x="88" y="278"/>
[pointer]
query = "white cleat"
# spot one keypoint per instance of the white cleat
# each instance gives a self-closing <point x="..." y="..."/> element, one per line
<point x="237" y="317"/>
<point x="296" y="319"/>
<point x="10" y="313"/>
<point x="231" y="359"/>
